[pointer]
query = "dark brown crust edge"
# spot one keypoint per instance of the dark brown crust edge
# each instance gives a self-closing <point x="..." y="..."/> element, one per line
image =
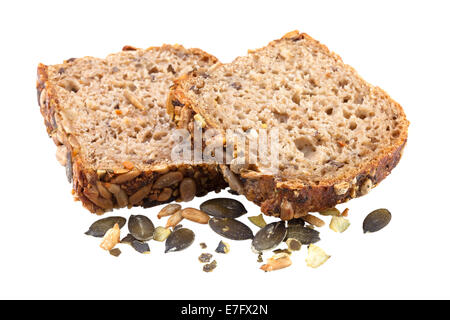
<point x="129" y="187"/>
<point x="280" y="199"/>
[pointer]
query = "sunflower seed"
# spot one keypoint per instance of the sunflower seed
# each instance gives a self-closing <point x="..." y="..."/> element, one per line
<point x="111" y="238"/>
<point x="161" y="234"/>
<point x="313" y="220"/>
<point x="141" y="247"/>
<point x="168" y="179"/>
<point x="195" y="215"/>
<point x="269" y="237"/>
<point x="303" y="234"/>
<point x="376" y="220"/>
<point x="141" y="227"/>
<point x="169" y="210"/>
<point x="231" y="229"/>
<point x="99" y="228"/>
<point x="223" y="247"/>
<point x="258" y="221"/>
<point x="330" y="212"/>
<point x="174" y="219"/>
<point x="69" y="168"/>
<point x="276" y="262"/>
<point x="223" y="208"/>
<point x="210" y="266"/>
<point x="115" y="252"/>
<point x="179" y="240"/>
<point x="205" y="257"/>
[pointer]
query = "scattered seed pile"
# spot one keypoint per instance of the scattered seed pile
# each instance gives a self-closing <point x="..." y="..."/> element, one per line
<point x="221" y="214"/>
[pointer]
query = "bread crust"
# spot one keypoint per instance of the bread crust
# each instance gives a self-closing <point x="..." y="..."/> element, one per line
<point x="270" y="192"/>
<point x="101" y="190"/>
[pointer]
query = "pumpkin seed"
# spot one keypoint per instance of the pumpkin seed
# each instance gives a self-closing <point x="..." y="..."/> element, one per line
<point x="99" y="227"/>
<point x="286" y="251"/>
<point x="128" y="239"/>
<point x="231" y="229"/>
<point x="141" y="247"/>
<point x="376" y="220"/>
<point x="141" y="227"/>
<point x="205" y="257"/>
<point x="269" y="237"/>
<point x="161" y="234"/>
<point x="115" y="252"/>
<point x="178" y="226"/>
<point x="303" y="234"/>
<point x="258" y="221"/>
<point x="296" y="222"/>
<point x="293" y="244"/>
<point x="210" y="266"/>
<point x="223" y="247"/>
<point x="223" y="208"/>
<point x="260" y="258"/>
<point x="179" y="240"/>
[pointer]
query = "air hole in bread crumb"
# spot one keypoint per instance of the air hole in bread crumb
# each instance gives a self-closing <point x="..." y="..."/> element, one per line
<point x="305" y="146"/>
<point x="352" y="125"/>
<point x="346" y="99"/>
<point x="329" y="111"/>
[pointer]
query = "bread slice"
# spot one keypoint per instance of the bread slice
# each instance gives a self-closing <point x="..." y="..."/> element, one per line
<point x="108" y="119"/>
<point x="339" y="136"/>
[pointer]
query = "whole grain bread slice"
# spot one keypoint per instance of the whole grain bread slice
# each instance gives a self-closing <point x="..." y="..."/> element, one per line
<point x="108" y="119"/>
<point x="338" y="136"/>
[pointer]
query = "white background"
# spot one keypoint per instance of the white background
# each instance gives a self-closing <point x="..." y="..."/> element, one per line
<point x="401" y="46"/>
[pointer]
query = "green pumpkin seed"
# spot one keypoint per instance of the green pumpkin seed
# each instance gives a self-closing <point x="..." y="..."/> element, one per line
<point x="258" y="221"/>
<point x="115" y="252"/>
<point x="231" y="229"/>
<point x="128" y="239"/>
<point x="99" y="227"/>
<point x="141" y="227"/>
<point x="269" y="237"/>
<point x="141" y="247"/>
<point x="223" y="247"/>
<point x="296" y="222"/>
<point x="179" y="240"/>
<point x="376" y="220"/>
<point x="303" y="234"/>
<point x="205" y="257"/>
<point x="210" y="266"/>
<point x="223" y="208"/>
<point x="293" y="244"/>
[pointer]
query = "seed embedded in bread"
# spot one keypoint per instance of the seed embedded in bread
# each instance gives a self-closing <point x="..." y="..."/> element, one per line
<point x="338" y="135"/>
